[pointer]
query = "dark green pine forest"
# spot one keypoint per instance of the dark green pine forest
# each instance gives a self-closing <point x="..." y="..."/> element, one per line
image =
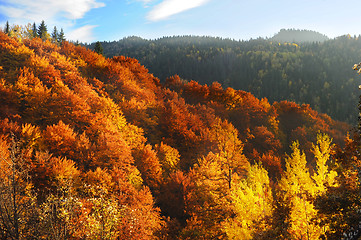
<point x="296" y="65"/>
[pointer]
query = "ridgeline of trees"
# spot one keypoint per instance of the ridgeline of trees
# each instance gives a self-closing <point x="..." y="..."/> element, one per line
<point x="31" y="31"/>
<point x="315" y="73"/>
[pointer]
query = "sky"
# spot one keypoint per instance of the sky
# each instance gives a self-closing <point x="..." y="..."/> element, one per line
<point x="111" y="20"/>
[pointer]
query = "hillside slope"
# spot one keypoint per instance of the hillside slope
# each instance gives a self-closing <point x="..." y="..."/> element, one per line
<point x="318" y="73"/>
<point x="101" y="148"/>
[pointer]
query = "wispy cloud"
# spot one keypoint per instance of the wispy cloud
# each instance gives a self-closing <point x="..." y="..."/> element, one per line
<point x="144" y="1"/>
<point x="62" y="13"/>
<point x="83" y="34"/>
<point x="47" y="9"/>
<point x="168" y="8"/>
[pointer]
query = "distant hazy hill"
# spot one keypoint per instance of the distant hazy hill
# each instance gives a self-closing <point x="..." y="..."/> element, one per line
<point x="293" y="35"/>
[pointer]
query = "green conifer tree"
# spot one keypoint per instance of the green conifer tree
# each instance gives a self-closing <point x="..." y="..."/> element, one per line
<point x="42" y="30"/>
<point x="34" y="31"/>
<point x="98" y="48"/>
<point x="7" y="28"/>
<point x="54" y="35"/>
<point x="61" y="36"/>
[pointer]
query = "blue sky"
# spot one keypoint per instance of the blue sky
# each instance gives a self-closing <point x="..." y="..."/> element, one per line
<point x="93" y="20"/>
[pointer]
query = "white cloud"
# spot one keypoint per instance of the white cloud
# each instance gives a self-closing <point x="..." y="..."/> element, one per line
<point x="47" y="9"/>
<point x="168" y="8"/>
<point x="83" y="34"/>
<point x="60" y="13"/>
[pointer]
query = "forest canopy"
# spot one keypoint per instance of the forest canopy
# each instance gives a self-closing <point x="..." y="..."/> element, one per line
<point x="99" y="148"/>
<point x="285" y="67"/>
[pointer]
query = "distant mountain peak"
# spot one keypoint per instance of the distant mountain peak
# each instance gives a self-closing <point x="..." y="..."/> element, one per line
<point x="297" y="35"/>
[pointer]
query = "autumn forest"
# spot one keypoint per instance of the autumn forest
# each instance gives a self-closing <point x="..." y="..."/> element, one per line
<point x="99" y="148"/>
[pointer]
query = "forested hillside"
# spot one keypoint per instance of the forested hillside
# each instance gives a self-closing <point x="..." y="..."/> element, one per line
<point x="99" y="148"/>
<point x="316" y="73"/>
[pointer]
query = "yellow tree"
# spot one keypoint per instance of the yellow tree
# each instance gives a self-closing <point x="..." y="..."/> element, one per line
<point x="168" y="158"/>
<point x="207" y="200"/>
<point x="323" y="177"/>
<point x="298" y="188"/>
<point x="228" y="148"/>
<point x="215" y="175"/>
<point x="251" y="201"/>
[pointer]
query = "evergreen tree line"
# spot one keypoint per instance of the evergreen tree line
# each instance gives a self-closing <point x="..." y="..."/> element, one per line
<point x="315" y="73"/>
<point x="33" y="31"/>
